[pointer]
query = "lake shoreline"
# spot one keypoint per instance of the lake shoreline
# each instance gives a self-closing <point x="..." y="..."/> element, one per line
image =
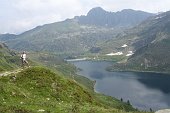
<point x="110" y="70"/>
<point x="156" y="72"/>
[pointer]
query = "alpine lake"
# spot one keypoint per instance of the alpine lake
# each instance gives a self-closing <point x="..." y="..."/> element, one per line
<point x="144" y="90"/>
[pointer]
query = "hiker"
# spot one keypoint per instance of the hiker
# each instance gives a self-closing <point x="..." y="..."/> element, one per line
<point x="23" y="59"/>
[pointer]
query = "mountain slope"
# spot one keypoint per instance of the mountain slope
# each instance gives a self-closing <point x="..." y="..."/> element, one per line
<point x="125" y="18"/>
<point x="5" y="37"/>
<point x="154" y="53"/>
<point x="40" y="90"/>
<point x="62" y="37"/>
<point x="151" y="40"/>
<point x="8" y="59"/>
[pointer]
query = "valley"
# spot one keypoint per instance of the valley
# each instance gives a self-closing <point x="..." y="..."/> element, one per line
<point x="73" y="62"/>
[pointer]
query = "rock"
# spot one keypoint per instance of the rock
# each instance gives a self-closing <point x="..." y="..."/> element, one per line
<point x="163" y="111"/>
<point x="41" y="110"/>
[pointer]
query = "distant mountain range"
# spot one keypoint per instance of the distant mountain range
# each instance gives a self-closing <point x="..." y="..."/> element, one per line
<point x="5" y="37"/>
<point x="125" y="18"/>
<point x="77" y="35"/>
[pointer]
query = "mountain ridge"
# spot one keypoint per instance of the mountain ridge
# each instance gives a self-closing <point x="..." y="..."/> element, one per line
<point x="125" y="18"/>
<point x="69" y="36"/>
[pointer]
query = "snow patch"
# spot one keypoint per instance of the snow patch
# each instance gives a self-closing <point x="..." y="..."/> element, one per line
<point x="158" y="17"/>
<point x="113" y="54"/>
<point x="79" y="59"/>
<point x="129" y="53"/>
<point x="124" y="45"/>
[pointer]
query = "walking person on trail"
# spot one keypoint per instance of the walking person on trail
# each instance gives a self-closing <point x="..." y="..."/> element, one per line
<point x="23" y="59"/>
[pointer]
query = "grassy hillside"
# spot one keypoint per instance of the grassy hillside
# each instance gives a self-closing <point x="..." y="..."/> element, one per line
<point x="56" y="63"/>
<point x="40" y="90"/>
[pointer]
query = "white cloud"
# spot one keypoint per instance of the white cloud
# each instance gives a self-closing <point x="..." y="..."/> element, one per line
<point x="20" y="15"/>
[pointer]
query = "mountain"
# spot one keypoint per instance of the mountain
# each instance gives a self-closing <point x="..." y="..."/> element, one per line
<point x="125" y="18"/>
<point x="77" y="35"/>
<point x="5" y="37"/>
<point x="151" y="41"/>
<point x="38" y="89"/>
<point x="62" y="37"/>
<point x="8" y="59"/>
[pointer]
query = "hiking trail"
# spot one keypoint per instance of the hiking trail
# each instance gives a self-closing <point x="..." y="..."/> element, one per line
<point x="11" y="72"/>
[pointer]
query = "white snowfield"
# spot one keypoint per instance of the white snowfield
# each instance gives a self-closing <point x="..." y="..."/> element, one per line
<point x="124" y="45"/>
<point x="79" y="59"/>
<point x="114" y="54"/>
<point x="158" y="17"/>
<point x="129" y="53"/>
<point x="163" y="111"/>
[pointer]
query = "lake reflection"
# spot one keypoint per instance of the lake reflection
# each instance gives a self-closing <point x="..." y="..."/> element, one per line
<point x="144" y="90"/>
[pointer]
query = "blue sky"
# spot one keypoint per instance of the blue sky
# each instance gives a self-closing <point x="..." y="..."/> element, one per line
<point x="17" y="16"/>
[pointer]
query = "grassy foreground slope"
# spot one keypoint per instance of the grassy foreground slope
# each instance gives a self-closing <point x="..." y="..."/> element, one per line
<point x="40" y="90"/>
<point x="57" y="64"/>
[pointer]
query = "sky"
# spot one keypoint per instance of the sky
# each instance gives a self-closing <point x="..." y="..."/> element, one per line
<point x="17" y="16"/>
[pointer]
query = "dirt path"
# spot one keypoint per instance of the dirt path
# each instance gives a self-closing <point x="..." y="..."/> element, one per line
<point x="11" y="72"/>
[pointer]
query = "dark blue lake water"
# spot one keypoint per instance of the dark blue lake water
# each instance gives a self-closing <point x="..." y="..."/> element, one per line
<point x="144" y="90"/>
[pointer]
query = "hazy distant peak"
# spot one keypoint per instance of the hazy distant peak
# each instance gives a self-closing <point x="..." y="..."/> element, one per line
<point x="101" y="10"/>
<point x="96" y="10"/>
<point x="127" y="10"/>
<point x="125" y="18"/>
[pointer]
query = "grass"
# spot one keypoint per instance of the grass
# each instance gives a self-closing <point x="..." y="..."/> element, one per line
<point x="57" y="64"/>
<point x="38" y="89"/>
